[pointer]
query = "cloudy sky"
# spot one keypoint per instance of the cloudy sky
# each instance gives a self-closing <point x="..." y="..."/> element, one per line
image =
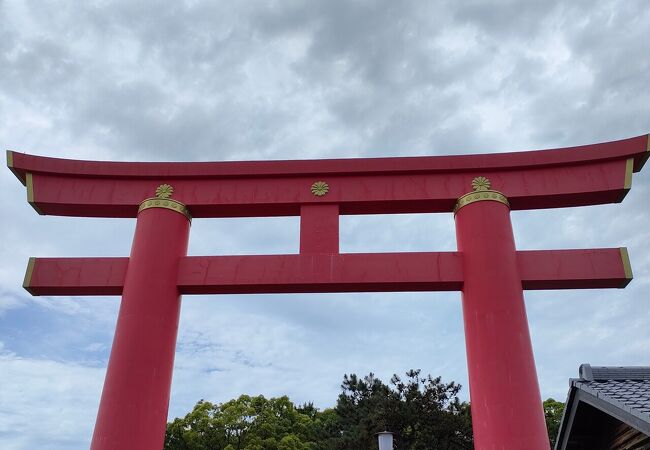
<point x="202" y="81"/>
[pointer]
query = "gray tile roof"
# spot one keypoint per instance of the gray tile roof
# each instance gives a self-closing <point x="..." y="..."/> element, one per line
<point x="591" y="373"/>
<point x="622" y="393"/>
<point x="627" y="388"/>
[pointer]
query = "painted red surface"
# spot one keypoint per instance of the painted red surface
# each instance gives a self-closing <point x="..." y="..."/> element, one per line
<point x="587" y="175"/>
<point x="635" y="147"/>
<point x="77" y="276"/>
<point x="572" y="269"/>
<point x="506" y="405"/>
<point x="319" y="228"/>
<point x="134" y="403"/>
<point x="507" y="409"/>
<point x="353" y="272"/>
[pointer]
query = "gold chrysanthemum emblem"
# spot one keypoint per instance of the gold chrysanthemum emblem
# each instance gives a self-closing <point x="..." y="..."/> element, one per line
<point x="480" y="184"/>
<point x="164" y="191"/>
<point x="320" y="188"/>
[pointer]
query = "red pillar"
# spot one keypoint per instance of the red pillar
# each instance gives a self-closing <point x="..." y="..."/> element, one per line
<point x="135" y="399"/>
<point x="507" y="410"/>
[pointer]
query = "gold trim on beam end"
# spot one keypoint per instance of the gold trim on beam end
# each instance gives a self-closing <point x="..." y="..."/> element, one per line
<point x="627" y="267"/>
<point x="479" y="196"/>
<point x="627" y="182"/>
<point x="10" y="165"/>
<point x="629" y="168"/>
<point x="166" y="203"/>
<point x="30" y="187"/>
<point x="28" y="275"/>
<point x="29" y="182"/>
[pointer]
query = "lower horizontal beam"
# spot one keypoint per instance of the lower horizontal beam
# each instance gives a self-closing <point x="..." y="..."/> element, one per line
<point x="348" y="272"/>
<point x="351" y="272"/>
<point x="574" y="269"/>
<point x="75" y="276"/>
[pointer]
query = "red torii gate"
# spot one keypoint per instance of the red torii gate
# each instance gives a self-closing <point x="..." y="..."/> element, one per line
<point x="490" y="272"/>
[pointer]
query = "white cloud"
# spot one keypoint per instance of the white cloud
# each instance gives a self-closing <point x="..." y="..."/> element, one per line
<point x="46" y="403"/>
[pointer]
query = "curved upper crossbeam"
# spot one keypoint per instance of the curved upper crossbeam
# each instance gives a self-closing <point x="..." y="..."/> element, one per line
<point x="572" y="176"/>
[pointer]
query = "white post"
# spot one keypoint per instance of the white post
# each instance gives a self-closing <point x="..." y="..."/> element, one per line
<point x="385" y="440"/>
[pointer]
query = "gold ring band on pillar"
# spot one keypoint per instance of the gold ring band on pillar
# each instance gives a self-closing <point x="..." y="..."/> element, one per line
<point x="166" y="203"/>
<point x="480" y="196"/>
<point x="482" y="192"/>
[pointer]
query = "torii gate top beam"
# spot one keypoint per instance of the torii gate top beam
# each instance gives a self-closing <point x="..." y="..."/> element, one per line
<point x="572" y="176"/>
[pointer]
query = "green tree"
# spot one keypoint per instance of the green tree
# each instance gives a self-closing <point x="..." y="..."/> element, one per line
<point x="323" y="428"/>
<point x="247" y="423"/>
<point x="423" y="412"/>
<point x="553" y="411"/>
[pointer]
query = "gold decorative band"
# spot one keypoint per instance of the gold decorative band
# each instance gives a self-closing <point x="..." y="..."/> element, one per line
<point x="29" y="182"/>
<point x="166" y="203"/>
<point x="627" y="267"/>
<point x="29" y="272"/>
<point x="480" y="196"/>
<point x="629" y="168"/>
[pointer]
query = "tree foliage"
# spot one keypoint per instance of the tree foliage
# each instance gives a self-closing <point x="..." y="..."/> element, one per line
<point x="423" y="412"/>
<point x="247" y="423"/>
<point x="553" y="411"/>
